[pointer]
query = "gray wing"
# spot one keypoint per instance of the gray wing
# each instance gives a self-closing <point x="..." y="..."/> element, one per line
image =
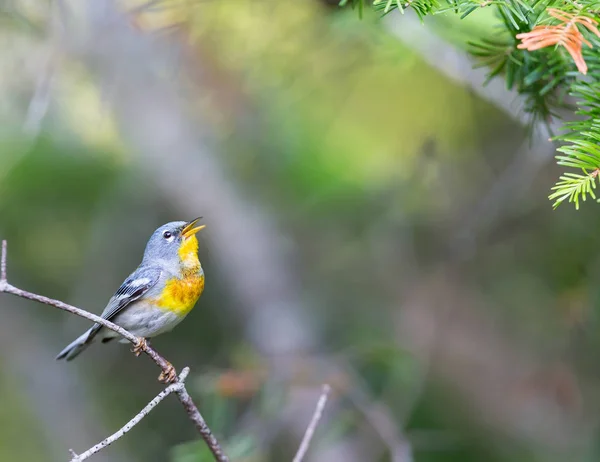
<point x="136" y="285"/>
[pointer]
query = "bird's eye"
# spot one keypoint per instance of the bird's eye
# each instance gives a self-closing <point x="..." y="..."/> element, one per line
<point x="167" y="234"/>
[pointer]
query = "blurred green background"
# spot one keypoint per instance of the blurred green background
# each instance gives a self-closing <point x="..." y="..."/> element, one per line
<point x="372" y="223"/>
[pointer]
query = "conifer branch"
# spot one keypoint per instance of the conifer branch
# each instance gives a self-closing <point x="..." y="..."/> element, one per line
<point x="572" y="186"/>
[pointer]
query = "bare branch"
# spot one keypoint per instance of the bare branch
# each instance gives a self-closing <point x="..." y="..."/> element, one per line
<point x="10" y="289"/>
<point x="314" y="422"/>
<point x="133" y="422"/>
<point x="167" y="368"/>
<point x="200" y="424"/>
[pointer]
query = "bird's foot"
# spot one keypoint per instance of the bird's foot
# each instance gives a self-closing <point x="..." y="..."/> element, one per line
<point x="140" y="347"/>
<point x="168" y="375"/>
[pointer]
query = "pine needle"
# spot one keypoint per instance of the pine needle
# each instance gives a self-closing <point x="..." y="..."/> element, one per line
<point x="566" y="34"/>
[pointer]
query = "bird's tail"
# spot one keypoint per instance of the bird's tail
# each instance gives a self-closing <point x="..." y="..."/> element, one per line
<point x="72" y="350"/>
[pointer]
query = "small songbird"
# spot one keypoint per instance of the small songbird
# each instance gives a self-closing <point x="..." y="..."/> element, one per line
<point x="158" y="295"/>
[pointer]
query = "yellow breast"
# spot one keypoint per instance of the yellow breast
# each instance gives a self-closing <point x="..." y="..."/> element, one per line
<point x="180" y="295"/>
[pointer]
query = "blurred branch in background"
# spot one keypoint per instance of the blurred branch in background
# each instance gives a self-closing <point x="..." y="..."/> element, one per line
<point x="184" y="398"/>
<point x="312" y="426"/>
<point x="378" y="416"/>
<point x="40" y="101"/>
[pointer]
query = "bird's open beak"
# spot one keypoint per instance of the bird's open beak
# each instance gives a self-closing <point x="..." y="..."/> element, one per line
<point x="189" y="229"/>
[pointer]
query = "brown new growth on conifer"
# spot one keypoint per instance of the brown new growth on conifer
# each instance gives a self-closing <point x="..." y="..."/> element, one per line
<point x="566" y="34"/>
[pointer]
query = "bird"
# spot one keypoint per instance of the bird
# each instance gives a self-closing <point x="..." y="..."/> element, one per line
<point x="156" y="296"/>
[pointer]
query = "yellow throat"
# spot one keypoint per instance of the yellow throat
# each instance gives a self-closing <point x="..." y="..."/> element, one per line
<point x="181" y="294"/>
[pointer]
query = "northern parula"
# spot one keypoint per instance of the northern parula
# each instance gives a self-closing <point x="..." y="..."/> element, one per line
<point x="158" y="295"/>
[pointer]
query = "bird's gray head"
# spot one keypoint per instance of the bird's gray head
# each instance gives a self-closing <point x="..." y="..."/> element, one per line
<point x="167" y="241"/>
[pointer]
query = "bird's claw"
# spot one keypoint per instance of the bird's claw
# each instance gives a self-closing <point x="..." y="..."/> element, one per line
<point x="168" y="375"/>
<point x="140" y="347"/>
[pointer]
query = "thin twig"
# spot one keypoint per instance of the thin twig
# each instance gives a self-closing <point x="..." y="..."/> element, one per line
<point x="314" y="422"/>
<point x="185" y="399"/>
<point x="200" y="424"/>
<point x="133" y="422"/>
<point x="10" y="289"/>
